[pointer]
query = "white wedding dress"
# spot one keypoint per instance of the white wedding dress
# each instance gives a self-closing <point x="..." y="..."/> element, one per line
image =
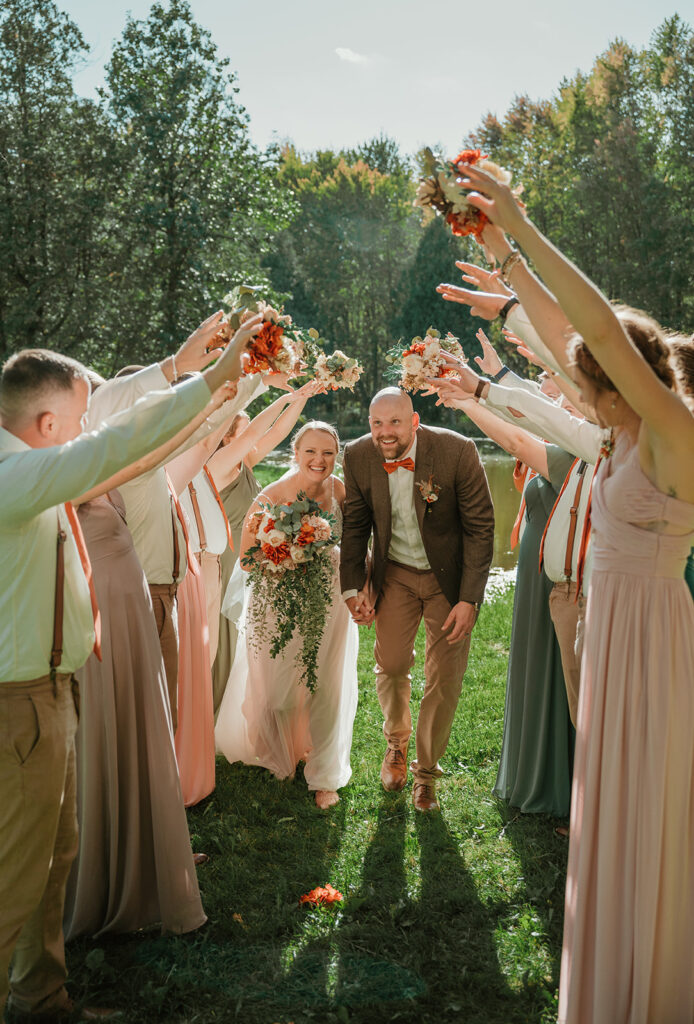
<point x="267" y="716"/>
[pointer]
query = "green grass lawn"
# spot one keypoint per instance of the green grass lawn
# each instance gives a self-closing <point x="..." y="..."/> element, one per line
<point x="454" y="917"/>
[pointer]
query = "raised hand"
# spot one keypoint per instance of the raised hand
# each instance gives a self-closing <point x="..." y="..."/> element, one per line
<point x="308" y="390"/>
<point x="230" y="363"/>
<point x="278" y="379"/>
<point x="193" y="354"/>
<point x="489" y="361"/>
<point x="225" y="393"/>
<point x="485" y="280"/>
<point x="486" y="305"/>
<point x="522" y="348"/>
<point x="495" y="200"/>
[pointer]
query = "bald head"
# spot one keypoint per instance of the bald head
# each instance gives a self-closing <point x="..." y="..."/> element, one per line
<point x="393" y="395"/>
<point x="393" y="422"/>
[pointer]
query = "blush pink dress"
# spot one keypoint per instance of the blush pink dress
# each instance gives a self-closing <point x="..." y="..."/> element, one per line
<point x="195" y="733"/>
<point x="629" y="919"/>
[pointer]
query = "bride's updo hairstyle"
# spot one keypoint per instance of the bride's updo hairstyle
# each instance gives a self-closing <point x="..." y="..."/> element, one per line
<point x="327" y="428"/>
<point x="648" y="337"/>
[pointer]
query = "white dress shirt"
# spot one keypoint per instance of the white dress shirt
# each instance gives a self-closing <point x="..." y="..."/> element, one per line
<point x="545" y="419"/>
<point x="519" y="322"/>
<point x="406" y="545"/>
<point x="34" y="484"/>
<point x="557" y="535"/>
<point x="212" y="518"/>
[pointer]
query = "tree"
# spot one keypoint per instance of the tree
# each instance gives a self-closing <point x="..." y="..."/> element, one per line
<point x="198" y="203"/>
<point x="53" y="184"/>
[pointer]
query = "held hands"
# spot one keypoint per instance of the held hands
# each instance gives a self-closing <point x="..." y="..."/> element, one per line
<point x="361" y="609"/>
<point x="460" y="621"/>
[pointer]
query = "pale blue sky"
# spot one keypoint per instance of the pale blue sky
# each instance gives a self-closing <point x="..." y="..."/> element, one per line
<point x="328" y="74"/>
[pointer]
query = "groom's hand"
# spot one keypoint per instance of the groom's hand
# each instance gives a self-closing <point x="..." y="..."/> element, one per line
<point x="462" y="618"/>
<point x="361" y="609"/>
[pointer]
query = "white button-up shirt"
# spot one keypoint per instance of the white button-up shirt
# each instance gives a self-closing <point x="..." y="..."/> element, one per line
<point x="406" y="545"/>
<point x="34" y="484"/>
<point x="210" y="513"/>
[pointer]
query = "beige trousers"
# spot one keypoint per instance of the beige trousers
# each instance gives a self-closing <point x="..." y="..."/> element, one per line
<point x="38" y="838"/>
<point x="211" y="566"/>
<point x="164" y="604"/>
<point x="565" y="611"/>
<point x="407" y="597"/>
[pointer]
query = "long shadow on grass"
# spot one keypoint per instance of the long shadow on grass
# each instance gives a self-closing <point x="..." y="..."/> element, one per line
<point x="543" y="855"/>
<point x="269" y="844"/>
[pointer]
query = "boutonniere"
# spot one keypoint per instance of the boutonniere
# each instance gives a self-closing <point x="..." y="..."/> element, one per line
<point x="429" y="491"/>
<point x="607" y="446"/>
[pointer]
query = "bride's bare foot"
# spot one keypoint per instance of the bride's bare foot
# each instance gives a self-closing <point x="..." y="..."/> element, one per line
<point x="326" y="798"/>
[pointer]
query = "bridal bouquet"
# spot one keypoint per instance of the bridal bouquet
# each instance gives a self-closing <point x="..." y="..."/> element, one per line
<point x="440" y="190"/>
<point x="424" y="358"/>
<point x="279" y="345"/>
<point x="337" y="370"/>
<point x="290" y="568"/>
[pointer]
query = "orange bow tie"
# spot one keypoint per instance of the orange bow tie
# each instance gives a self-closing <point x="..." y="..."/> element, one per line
<point x="390" y="467"/>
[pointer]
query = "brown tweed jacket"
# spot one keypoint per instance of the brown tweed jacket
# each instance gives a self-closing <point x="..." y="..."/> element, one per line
<point x="457" y="531"/>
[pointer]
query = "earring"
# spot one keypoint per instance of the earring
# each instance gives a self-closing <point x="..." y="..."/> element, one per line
<point x="614" y="403"/>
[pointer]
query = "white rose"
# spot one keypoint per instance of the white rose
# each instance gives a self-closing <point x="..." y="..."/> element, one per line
<point x="274" y="538"/>
<point x="413" y="363"/>
<point x="298" y="554"/>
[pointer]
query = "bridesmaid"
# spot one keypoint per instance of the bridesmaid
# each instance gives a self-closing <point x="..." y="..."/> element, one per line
<point x="246" y="443"/>
<point x="135" y="864"/>
<point x="628" y="923"/>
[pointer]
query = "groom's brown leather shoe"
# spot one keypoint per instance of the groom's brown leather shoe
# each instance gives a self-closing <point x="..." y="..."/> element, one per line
<point x="394" y="769"/>
<point x="424" y="797"/>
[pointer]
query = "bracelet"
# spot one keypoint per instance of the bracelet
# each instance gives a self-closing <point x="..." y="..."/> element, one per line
<point x="480" y="387"/>
<point x="174" y="377"/>
<point x="501" y="373"/>
<point x="509" y="263"/>
<point x="507" y="307"/>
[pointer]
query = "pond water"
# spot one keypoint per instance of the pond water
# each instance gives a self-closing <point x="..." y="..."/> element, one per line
<point x="499" y="469"/>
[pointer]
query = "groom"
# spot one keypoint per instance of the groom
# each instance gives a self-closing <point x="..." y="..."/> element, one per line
<point x="423" y="494"/>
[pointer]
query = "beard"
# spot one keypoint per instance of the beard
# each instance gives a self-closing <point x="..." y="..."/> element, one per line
<point x="394" y="451"/>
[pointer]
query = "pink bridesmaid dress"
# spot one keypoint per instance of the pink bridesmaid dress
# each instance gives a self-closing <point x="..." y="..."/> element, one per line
<point x="629" y="918"/>
<point x="195" y="750"/>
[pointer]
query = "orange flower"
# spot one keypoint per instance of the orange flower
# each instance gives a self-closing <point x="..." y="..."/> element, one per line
<point x="307" y="535"/>
<point x="277" y="554"/>
<point x="468" y="225"/>
<point x="270" y="526"/>
<point x="264" y="347"/>
<point x="322" y="894"/>
<point x="469" y="156"/>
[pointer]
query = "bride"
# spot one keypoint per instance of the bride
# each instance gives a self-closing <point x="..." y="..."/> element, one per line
<point x="268" y="716"/>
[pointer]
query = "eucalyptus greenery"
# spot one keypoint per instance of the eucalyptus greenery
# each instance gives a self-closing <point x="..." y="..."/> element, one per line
<point x="292" y="602"/>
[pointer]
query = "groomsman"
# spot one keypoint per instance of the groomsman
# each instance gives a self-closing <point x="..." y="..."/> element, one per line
<point x="48" y="627"/>
<point x="422" y="494"/>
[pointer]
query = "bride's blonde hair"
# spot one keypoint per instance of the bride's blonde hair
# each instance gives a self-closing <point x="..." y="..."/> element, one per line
<point x="327" y="428"/>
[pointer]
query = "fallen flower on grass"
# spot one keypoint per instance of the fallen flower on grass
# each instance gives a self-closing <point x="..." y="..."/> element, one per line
<point x="322" y="894"/>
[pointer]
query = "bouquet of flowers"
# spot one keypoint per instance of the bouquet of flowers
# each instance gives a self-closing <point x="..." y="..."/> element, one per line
<point x="337" y="370"/>
<point x="290" y="568"/>
<point x="440" y="190"/>
<point x="423" y="358"/>
<point x="279" y="345"/>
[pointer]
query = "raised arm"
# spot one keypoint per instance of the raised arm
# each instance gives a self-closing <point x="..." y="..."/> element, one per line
<point x="280" y="426"/>
<point x="668" y="421"/>
<point x="159" y="455"/>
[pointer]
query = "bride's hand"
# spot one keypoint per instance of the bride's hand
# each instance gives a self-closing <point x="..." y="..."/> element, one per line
<point x="495" y="200"/>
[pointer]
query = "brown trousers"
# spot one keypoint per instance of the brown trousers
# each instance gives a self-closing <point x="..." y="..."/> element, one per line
<point x="565" y="611"/>
<point x="164" y="604"/>
<point x="407" y="597"/>
<point x="38" y="838"/>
